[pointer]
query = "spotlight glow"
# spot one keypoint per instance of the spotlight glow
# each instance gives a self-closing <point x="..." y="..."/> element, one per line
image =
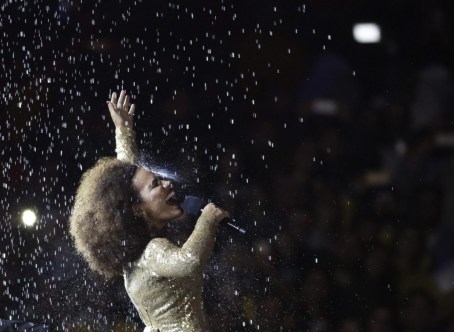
<point x="367" y="33"/>
<point x="29" y="218"/>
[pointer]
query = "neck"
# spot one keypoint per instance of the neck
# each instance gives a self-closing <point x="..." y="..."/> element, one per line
<point x="156" y="228"/>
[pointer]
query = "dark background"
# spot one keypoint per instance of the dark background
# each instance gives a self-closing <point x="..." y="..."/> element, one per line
<point x="337" y="157"/>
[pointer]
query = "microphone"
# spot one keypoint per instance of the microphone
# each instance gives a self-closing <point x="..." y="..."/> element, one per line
<point x="193" y="206"/>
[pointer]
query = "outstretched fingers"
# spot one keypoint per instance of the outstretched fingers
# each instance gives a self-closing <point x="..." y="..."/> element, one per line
<point x="121" y="99"/>
<point x="121" y="110"/>
<point x="126" y="103"/>
<point x="111" y="107"/>
<point x="132" y="109"/>
<point x="113" y="98"/>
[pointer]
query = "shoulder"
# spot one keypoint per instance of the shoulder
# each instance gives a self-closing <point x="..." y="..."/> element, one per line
<point x="157" y="245"/>
<point x="152" y="252"/>
<point x="159" y="242"/>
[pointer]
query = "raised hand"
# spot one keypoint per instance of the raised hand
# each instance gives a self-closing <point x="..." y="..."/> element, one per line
<point x="121" y="111"/>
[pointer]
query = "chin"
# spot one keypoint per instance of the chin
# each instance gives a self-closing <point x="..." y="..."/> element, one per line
<point x="175" y="212"/>
<point x="180" y="212"/>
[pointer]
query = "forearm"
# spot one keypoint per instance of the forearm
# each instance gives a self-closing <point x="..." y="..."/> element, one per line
<point x="122" y="114"/>
<point x="126" y="147"/>
<point x="200" y="243"/>
<point x="167" y="260"/>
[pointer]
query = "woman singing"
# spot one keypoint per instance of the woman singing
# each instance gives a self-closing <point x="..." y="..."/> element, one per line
<point x="119" y="213"/>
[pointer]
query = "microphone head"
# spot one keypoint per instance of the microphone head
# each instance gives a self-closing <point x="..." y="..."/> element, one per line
<point x="192" y="205"/>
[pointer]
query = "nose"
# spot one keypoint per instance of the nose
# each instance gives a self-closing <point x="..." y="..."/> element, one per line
<point x="166" y="183"/>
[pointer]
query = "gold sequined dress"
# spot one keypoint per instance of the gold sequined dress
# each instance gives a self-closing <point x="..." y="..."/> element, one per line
<point x="165" y="283"/>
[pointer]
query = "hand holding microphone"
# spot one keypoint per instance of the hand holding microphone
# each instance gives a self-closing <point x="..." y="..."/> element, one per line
<point x="214" y="212"/>
<point x="193" y="206"/>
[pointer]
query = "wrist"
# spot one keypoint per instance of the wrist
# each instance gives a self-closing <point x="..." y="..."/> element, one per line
<point x="124" y="131"/>
<point x="123" y="127"/>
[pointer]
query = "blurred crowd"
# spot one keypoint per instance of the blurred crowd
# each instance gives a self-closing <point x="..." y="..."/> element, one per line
<point x="366" y="210"/>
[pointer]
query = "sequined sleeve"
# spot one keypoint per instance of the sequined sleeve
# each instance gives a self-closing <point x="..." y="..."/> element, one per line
<point x="125" y="141"/>
<point x="165" y="259"/>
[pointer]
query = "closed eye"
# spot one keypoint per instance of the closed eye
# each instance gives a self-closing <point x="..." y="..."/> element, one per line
<point x="155" y="182"/>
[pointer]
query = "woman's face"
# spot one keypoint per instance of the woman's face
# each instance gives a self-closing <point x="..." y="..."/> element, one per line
<point x="157" y="204"/>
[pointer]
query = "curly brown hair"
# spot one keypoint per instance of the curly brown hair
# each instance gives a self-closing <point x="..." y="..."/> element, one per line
<point x="102" y="223"/>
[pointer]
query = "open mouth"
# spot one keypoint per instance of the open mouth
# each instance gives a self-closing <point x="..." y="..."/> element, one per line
<point x="172" y="199"/>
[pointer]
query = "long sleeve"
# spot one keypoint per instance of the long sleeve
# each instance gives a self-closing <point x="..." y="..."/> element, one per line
<point x="165" y="259"/>
<point x="125" y="141"/>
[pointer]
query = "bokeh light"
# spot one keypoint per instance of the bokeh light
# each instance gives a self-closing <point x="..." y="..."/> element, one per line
<point x="367" y="33"/>
<point x="29" y="218"/>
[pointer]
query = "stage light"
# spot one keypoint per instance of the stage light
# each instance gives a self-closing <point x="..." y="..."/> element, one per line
<point x="367" y="33"/>
<point x="29" y="218"/>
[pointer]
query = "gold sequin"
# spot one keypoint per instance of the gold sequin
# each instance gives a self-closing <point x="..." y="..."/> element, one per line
<point x="165" y="283"/>
<point x="125" y="140"/>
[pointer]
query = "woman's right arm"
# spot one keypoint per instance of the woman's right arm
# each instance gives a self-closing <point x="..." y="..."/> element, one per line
<point x="122" y="114"/>
<point x="167" y="260"/>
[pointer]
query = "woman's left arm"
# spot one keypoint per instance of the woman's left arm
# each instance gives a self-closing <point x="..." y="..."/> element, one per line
<point x="122" y="114"/>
